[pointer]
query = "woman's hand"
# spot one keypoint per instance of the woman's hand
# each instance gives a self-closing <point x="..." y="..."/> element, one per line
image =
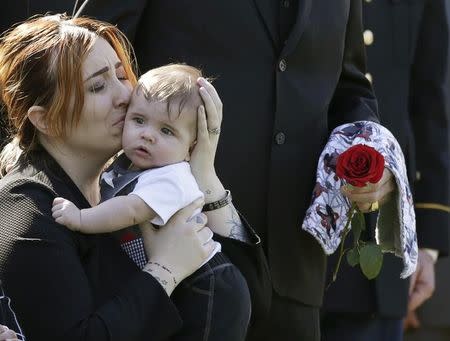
<point x="208" y="132"/>
<point x="7" y="334"/>
<point x="178" y="248"/>
<point x="365" y="197"/>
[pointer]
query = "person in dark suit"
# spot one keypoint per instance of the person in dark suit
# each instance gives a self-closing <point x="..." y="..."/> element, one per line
<point x="288" y="72"/>
<point x="408" y="63"/>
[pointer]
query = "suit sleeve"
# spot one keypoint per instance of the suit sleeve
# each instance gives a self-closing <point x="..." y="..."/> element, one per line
<point x="126" y="14"/>
<point x="353" y="99"/>
<point x="429" y="107"/>
<point x="45" y="276"/>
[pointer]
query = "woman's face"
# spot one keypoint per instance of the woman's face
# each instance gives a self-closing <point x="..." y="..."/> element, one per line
<point x="107" y="92"/>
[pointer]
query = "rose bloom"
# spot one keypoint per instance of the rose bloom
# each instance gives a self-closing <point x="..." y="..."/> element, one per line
<point x="359" y="165"/>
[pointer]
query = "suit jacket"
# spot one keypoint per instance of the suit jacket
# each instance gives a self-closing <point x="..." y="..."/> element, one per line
<point x="281" y="99"/>
<point x="408" y="53"/>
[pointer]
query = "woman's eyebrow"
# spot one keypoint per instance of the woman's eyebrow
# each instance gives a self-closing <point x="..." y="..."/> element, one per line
<point x="103" y="70"/>
<point x="99" y="72"/>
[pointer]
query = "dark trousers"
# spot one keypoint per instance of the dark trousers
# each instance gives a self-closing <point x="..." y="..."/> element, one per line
<point x="289" y="321"/>
<point x="360" y="327"/>
<point x="214" y="303"/>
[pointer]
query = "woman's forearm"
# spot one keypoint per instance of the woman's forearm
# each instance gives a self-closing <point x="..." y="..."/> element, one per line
<point x="224" y="221"/>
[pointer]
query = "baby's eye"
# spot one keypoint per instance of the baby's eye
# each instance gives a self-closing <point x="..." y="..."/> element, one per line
<point x="138" y="120"/>
<point x="167" y="131"/>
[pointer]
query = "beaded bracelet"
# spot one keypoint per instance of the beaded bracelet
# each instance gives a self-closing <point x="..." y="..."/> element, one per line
<point x="219" y="203"/>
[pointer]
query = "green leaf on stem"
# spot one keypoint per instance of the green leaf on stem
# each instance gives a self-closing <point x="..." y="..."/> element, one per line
<point x="371" y="260"/>
<point x="353" y="257"/>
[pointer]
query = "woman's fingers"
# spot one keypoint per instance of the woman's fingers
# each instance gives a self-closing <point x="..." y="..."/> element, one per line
<point x="213" y="104"/>
<point x="212" y="115"/>
<point x="205" y="235"/>
<point x="202" y="126"/>
<point x="187" y="212"/>
<point x="212" y="92"/>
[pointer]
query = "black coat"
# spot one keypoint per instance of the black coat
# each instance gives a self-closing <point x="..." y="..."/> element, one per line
<point x="281" y="99"/>
<point x="408" y="59"/>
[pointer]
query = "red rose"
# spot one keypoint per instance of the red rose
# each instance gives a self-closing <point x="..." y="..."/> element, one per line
<point x="359" y="165"/>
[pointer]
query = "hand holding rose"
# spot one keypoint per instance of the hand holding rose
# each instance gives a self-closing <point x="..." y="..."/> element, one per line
<point x="363" y="168"/>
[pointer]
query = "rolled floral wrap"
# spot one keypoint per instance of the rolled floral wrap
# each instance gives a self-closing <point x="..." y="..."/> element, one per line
<point x="326" y="217"/>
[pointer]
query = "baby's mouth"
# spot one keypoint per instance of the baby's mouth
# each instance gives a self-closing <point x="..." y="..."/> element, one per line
<point x="142" y="150"/>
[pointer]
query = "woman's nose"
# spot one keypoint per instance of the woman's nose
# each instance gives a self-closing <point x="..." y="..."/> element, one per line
<point x="123" y="93"/>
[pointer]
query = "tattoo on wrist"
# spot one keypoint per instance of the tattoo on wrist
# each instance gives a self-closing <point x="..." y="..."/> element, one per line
<point x="161" y="266"/>
<point x="237" y="230"/>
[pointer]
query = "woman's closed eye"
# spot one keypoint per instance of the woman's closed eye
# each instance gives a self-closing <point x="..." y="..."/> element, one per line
<point x="97" y="87"/>
<point x="167" y="131"/>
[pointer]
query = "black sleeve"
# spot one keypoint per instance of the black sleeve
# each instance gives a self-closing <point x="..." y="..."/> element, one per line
<point x="353" y="99"/>
<point x="45" y="275"/>
<point x="429" y="108"/>
<point x="125" y="13"/>
<point x="251" y="261"/>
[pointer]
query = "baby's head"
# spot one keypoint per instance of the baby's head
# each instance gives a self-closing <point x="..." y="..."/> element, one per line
<point x="161" y="122"/>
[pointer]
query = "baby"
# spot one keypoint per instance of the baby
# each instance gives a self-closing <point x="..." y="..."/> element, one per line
<point x="158" y="135"/>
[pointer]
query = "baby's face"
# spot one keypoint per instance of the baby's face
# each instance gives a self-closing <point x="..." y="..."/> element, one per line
<point x="152" y="137"/>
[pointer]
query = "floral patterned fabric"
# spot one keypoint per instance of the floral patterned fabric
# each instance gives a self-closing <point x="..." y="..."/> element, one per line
<point x="327" y="215"/>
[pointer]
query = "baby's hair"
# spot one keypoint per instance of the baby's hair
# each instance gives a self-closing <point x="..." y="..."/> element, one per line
<point x="175" y="84"/>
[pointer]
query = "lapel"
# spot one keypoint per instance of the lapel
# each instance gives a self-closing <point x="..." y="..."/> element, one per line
<point x="269" y="20"/>
<point x="267" y="15"/>
<point x="304" y="9"/>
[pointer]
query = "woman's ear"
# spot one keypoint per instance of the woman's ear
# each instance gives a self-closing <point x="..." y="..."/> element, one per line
<point x="36" y="114"/>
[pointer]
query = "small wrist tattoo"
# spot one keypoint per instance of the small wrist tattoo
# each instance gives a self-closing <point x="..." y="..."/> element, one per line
<point x="159" y="265"/>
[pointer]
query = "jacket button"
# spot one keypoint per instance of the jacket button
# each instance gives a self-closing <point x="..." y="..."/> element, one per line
<point x="282" y="65"/>
<point x="369" y="77"/>
<point x="280" y="138"/>
<point x="286" y="3"/>
<point x="368" y="37"/>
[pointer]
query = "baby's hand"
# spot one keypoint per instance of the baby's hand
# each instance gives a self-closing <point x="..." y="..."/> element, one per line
<point x="66" y="213"/>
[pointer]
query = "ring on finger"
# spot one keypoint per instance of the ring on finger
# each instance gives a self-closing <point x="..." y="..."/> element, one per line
<point x="374" y="206"/>
<point x="214" y="131"/>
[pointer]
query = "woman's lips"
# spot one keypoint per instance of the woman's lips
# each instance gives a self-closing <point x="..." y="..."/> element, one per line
<point x="119" y="122"/>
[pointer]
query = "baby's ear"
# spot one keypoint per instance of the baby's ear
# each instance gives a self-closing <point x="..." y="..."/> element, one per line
<point x="37" y="114"/>
<point x="191" y="148"/>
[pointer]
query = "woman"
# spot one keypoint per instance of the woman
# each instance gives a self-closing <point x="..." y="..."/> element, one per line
<point x="66" y="93"/>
